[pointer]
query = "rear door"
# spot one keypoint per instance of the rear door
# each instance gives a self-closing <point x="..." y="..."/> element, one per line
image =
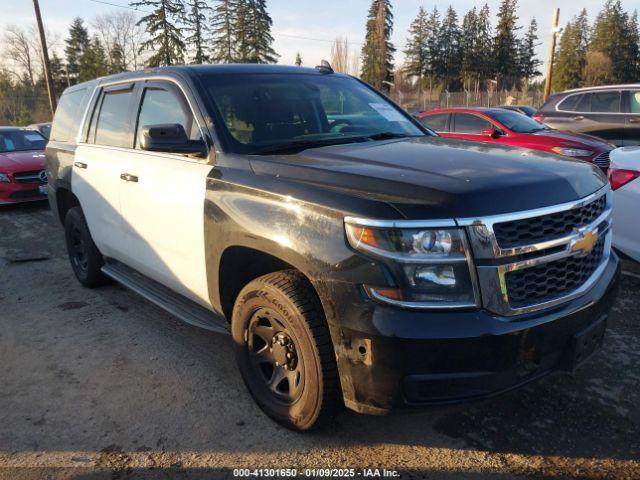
<point x="97" y="166"/>
<point x="632" y="131"/>
<point x="162" y="197"/>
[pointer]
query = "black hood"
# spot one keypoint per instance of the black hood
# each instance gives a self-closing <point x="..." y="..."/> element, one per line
<point x="430" y="177"/>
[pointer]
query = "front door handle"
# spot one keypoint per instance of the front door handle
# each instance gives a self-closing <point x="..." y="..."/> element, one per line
<point x="127" y="177"/>
<point x="80" y="164"/>
<point x="579" y="117"/>
<point x="634" y="120"/>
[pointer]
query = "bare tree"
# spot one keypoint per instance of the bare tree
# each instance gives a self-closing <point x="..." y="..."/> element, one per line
<point x="120" y="30"/>
<point x="342" y="59"/>
<point x="19" y="49"/>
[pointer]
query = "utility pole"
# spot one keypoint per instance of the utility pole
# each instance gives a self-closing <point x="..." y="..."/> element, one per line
<point x="552" y="52"/>
<point x="45" y="59"/>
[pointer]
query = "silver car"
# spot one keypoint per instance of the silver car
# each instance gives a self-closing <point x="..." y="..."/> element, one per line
<point x="624" y="175"/>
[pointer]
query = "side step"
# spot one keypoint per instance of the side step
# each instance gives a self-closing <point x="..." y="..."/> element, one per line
<point x="174" y="303"/>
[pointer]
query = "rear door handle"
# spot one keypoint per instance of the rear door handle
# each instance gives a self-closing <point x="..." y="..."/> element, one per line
<point x="80" y="164"/>
<point x="127" y="177"/>
<point x="579" y="117"/>
<point x="634" y="120"/>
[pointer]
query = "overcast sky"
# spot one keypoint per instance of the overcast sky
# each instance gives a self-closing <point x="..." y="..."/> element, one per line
<point x="319" y="21"/>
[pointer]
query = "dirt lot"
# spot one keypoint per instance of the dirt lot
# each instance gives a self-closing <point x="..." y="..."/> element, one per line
<point x="101" y="385"/>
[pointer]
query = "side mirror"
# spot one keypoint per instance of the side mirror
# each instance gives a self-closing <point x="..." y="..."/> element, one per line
<point x="491" y="133"/>
<point x="171" y="138"/>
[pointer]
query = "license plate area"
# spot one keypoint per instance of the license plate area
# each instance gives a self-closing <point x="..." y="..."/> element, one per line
<point x="42" y="189"/>
<point x="588" y="341"/>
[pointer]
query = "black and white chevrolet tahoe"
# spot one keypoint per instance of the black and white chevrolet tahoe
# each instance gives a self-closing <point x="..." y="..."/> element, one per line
<point x="355" y="257"/>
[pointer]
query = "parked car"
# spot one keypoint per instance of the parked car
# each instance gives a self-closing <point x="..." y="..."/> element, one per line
<point x="611" y="112"/>
<point x="353" y="256"/>
<point x="524" y="109"/>
<point x="22" y="171"/>
<point x="624" y="176"/>
<point x="43" y="128"/>
<point x="505" y="127"/>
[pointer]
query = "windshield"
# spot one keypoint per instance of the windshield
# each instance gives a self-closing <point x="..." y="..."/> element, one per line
<point x="261" y="113"/>
<point x="21" y="140"/>
<point x="518" y="122"/>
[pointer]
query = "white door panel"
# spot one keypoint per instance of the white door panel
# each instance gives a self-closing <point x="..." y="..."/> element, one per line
<point x="97" y="187"/>
<point x="163" y="221"/>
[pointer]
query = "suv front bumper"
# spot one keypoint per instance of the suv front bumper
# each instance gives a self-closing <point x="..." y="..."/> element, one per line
<point x="393" y="358"/>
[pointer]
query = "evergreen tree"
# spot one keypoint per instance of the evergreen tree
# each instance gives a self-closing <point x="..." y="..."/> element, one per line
<point x="377" y="53"/>
<point x="634" y="45"/>
<point x="450" y="51"/>
<point x="611" y="36"/>
<point x="572" y="54"/>
<point x="298" y="59"/>
<point x="117" y="62"/>
<point x="93" y="63"/>
<point x="253" y="33"/>
<point x="223" y="22"/>
<point x="432" y="44"/>
<point x="468" y="43"/>
<point x="165" y="36"/>
<point x="195" y="23"/>
<point x="484" y="47"/>
<point x="58" y="74"/>
<point x="528" y="61"/>
<point x="417" y="48"/>
<point x="76" y="44"/>
<point x="506" y="46"/>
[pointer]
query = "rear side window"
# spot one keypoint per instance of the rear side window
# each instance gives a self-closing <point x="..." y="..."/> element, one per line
<point x="112" y="126"/>
<point x="635" y="102"/>
<point x="466" y="123"/>
<point x="437" y="123"/>
<point x="607" y="102"/>
<point x="68" y="116"/>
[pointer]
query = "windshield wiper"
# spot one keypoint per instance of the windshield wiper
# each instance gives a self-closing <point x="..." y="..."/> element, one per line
<point x="388" y="135"/>
<point x="299" y="145"/>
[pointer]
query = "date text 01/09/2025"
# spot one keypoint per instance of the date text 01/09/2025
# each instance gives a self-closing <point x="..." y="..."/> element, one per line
<point x="316" y="473"/>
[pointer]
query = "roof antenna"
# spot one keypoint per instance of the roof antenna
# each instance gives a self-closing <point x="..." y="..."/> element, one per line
<point x="324" y="67"/>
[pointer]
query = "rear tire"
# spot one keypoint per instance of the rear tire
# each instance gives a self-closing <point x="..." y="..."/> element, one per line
<point x="86" y="260"/>
<point x="284" y="350"/>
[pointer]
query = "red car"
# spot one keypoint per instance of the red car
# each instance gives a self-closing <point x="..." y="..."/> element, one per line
<point x="23" y="177"/>
<point x="505" y="127"/>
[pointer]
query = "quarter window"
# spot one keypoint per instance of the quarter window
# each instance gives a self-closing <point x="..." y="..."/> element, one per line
<point x="472" y="124"/>
<point x="67" y="118"/>
<point x="437" y="123"/>
<point x="112" y="127"/>
<point x="160" y="106"/>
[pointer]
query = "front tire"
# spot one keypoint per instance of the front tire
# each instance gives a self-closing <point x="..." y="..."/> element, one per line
<point x="86" y="260"/>
<point x="284" y="350"/>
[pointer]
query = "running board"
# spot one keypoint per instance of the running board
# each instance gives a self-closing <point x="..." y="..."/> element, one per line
<point x="174" y="303"/>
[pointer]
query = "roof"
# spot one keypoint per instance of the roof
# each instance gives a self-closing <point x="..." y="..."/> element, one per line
<point x="602" y="87"/>
<point x="13" y="129"/>
<point x="485" y="110"/>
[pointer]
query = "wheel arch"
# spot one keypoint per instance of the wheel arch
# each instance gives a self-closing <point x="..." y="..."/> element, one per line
<point x="65" y="200"/>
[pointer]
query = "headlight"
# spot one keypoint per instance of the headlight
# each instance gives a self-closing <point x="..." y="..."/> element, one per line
<point x="572" y="152"/>
<point x="4" y="178"/>
<point x="432" y="266"/>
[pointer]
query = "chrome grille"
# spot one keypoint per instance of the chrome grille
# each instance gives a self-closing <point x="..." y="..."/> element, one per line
<point x="32" y="176"/>
<point x="551" y="280"/>
<point x="527" y="261"/>
<point x="602" y="160"/>
<point x="547" y="227"/>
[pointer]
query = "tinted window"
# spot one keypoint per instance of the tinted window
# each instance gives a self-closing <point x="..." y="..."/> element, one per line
<point x="436" y="122"/>
<point x="635" y="102"/>
<point x="21" y="140"/>
<point x="605" y="102"/>
<point x="164" y="106"/>
<point x="262" y="112"/>
<point x="68" y="116"/>
<point x="466" y="123"/>
<point x="517" y="122"/>
<point x="584" y="103"/>
<point x="569" y="104"/>
<point x="113" y="120"/>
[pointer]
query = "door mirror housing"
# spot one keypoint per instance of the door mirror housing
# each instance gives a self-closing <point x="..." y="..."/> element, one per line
<point x="491" y="132"/>
<point x="170" y="138"/>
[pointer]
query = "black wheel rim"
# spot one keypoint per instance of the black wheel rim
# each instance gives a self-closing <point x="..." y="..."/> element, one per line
<point x="274" y="357"/>
<point x="79" y="249"/>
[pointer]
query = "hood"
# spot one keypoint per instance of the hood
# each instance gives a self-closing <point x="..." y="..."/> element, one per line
<point x="570" y="139"/>
<point x="433" y="177"/>
<point x="12" y="162"/>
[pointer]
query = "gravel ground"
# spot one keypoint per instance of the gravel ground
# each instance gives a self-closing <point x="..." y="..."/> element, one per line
<point x="100" y="384"/>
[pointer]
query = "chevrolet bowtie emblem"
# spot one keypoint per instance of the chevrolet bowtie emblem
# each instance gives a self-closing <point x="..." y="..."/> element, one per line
<point x="583" y="245"/>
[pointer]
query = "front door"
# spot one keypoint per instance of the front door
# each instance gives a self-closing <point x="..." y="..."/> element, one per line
<point x="162" y="199"/>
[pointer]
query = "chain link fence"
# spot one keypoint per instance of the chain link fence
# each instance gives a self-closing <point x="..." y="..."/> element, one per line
<point x="420" y="101"/>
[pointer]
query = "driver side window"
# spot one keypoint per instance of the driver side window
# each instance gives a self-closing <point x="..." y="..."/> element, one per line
<point x="163" y="106"/>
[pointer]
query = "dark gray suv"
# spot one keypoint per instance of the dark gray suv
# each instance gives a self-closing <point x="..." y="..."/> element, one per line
<point x="611" y="112"/>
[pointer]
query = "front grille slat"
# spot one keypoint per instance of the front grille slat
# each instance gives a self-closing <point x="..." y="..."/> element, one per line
<point x="527" y="231"/>
<point x="603" y="160"/>
<point x="549" y="281"/>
